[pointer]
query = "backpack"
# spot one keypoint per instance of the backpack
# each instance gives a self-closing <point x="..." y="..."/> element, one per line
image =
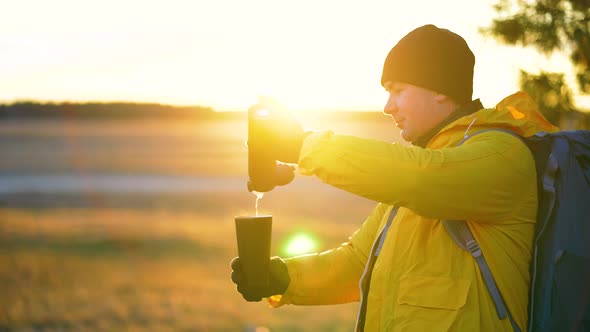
<point x="559" y="294"/>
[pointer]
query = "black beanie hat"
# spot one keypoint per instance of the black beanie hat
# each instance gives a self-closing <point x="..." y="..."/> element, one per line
<point x="434" y="59"/>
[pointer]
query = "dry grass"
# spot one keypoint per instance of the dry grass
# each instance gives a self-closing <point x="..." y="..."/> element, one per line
<point x="125" y="262"/>
<point x="99" y="270"/>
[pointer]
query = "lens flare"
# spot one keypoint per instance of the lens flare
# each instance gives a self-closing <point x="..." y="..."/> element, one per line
<point x="300" y="244"/>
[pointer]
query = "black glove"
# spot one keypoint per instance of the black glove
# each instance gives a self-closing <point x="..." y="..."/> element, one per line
<point x="284" y="174"/>
<point x="278" y="280"/>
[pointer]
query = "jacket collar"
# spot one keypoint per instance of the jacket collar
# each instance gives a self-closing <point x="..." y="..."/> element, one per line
<point x="464" y="110"/>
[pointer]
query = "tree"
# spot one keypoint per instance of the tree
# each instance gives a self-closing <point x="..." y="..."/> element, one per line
<point x="550" y="92"/>
<point x="547" y="25"/>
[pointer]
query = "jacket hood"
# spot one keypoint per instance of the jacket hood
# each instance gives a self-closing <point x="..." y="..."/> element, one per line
<point x="517" y="112"/>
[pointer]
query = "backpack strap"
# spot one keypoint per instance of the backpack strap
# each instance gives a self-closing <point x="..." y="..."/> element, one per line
<point x="506" y="131"/>
<point x="548" y="185"/>
<point x="461" y="234"/>
<point x="365" y="281"/>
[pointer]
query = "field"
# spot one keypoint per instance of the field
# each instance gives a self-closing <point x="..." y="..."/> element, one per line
<point x="94" y="257"/>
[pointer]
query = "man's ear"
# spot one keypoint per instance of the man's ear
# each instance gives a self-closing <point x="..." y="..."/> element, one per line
<point x="440" y="98"/>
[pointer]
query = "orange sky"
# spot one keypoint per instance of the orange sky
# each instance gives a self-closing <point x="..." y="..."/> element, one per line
<point x="310" y="54"/>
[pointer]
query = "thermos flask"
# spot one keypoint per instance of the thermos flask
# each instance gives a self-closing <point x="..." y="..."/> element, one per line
<point x="262" y="168"/>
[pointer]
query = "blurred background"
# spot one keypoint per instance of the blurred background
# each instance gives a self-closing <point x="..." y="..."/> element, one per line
<point x="122" y="142"/>
<point x="126" y="223"/>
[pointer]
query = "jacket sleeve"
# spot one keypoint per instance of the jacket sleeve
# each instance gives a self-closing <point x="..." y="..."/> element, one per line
<point x="479" y="180"/>
<point x="333" y="276"/>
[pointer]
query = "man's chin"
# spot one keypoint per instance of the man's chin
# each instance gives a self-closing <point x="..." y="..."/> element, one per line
<point x="406" y="136"/>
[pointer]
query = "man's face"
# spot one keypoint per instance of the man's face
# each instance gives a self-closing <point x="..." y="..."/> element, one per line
<point x="415" y="110"/>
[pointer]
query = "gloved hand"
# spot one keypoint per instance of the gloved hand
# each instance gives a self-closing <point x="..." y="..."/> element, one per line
<point x="284" y="174"/>
<point x="278" y="280"/>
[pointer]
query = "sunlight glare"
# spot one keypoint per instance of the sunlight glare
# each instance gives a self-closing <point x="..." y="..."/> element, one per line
<point x="263" y="112"/>
<point x="300" y="244"/>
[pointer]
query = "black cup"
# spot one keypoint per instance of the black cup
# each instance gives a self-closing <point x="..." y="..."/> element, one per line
<point x="253" y="235"/>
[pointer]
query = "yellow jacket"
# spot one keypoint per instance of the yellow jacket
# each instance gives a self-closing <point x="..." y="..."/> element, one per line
<point x="422" y="281"/>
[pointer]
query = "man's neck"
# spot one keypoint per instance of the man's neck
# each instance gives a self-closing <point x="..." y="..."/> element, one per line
<point x="464" y="110"/>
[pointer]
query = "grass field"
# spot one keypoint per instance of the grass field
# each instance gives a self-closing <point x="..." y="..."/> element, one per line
<point x="157" y="262"/>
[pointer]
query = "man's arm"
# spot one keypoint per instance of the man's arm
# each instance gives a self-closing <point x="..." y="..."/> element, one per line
<point x="479" y="180"/>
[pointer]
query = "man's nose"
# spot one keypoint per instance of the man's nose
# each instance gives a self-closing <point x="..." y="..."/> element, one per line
<point x="390" y="106"/>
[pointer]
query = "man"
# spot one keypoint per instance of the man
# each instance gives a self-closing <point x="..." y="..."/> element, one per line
<point x="412" y="276"/>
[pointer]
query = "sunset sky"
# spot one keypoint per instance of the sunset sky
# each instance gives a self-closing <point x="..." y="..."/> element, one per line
<point x="310" y="54"/>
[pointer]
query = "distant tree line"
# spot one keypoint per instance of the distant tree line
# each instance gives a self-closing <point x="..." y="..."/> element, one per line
<point x="106" y="110"/>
